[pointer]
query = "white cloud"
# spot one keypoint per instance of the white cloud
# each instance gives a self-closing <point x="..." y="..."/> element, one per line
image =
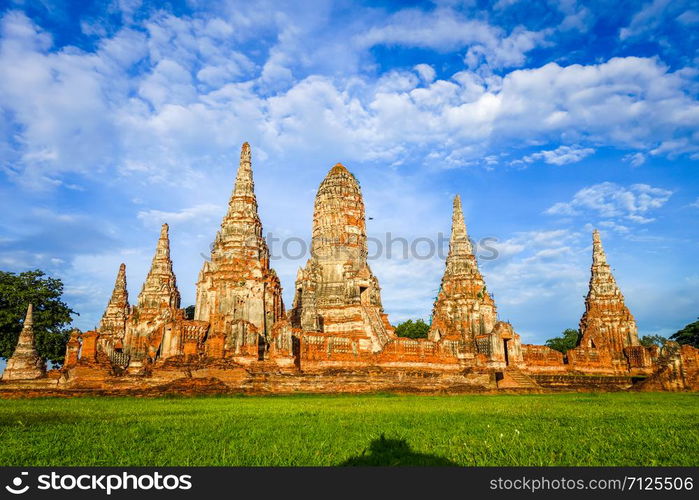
<point x="619" y="228"/>
<point x="635" y="159"/>
<point x="445" y="30"/>
<point x="609" y="200"/>
<point x="426" y="72"/>
<point x="576" y="16"/>
<point x="200" y="213"/>
<point x="562" y="155"/>
<point x="546" y="265"/>
<point x="646" y="19"/>
<point x="92" y="113"/>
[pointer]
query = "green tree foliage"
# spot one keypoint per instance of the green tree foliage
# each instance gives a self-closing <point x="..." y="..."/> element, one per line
<point x="688" y="335"/>
<point x="413" y="329"/>
<point x="651" y="340"/>
<point x="567" y="341"/>
<point x="189" y="312"/>
<point x="51" y="314"/>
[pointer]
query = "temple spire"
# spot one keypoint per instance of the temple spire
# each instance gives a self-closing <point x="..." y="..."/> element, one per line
<point x="237" y="283"/>
<point x="602" y="280"/>
<point x="241" y="229"/>
<point x="120" y="294"/>
<point x="463" y="308"/>
<point x="607" y="321"/>
<point x="599" y="258"/>
<point x="244" y="184"/>
<point x="336" y="292"/>
<point x="26" y="337"/>
<point x="28" y="325"/>
<point x="160" y="287"/>
<point x="163" y="248"/>
<point x="25" y="362"/>
<point x="114" y="317"/>
<point x="459" y="243"/>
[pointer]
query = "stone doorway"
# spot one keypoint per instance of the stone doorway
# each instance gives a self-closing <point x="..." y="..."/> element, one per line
<point x="261" y="347"/>
<point x="296" y="350"/>
<point x="507" y="357"/>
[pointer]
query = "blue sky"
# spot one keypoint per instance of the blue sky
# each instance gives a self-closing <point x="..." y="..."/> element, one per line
<point x="550" y="118"/>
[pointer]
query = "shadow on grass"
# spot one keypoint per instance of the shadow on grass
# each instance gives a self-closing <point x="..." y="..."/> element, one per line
<point x="395" y="452"/>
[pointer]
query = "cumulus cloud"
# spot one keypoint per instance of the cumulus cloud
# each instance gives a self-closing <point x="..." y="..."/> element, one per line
<point x="608" y="199"/>
<point x="94" y="113"/>
<point x="426" y="72"/>
<point x="445" y="30"/>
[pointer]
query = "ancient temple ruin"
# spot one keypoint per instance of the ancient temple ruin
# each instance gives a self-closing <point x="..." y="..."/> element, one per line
<point x="238" y="295"/>
<point x="336" y="337"/>
<point x="464" y="310"/>
<point x="607" y="323"/>
<point x="337" y="295"/>
<point x="25" y="363"/>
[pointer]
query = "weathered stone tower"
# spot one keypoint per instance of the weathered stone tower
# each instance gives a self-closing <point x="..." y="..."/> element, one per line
<point x="607" y="323"/>
<point x="336" y="293"/>
<point x="113" y="324"/>
<point x="25" y="363"/>
<point x="158" y="303"/>
<point x="237" y="291"/>
<point x="464" y="310"/>
<point x="160" y="287"/>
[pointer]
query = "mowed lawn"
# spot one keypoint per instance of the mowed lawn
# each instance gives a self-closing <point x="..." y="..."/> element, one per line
<point x="310" y="430"/>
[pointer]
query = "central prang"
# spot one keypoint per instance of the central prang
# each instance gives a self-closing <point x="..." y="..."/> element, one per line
<point x="336" y="293"/>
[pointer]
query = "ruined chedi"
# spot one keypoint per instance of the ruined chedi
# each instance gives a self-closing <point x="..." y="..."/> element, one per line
<point x="25" y="363"/>
<point x="237" y="291"/>
<point x="607" y="323"/>
<point x="158" y="303"/>
<point x="464" y="310"/>
<point x="113" y="324"/>
<point x="336" y="292"/>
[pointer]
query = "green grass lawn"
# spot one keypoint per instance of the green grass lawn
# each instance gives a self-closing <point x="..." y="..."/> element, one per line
<point x="549" y="429"/>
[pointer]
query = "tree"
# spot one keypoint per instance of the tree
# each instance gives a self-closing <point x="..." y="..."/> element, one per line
<point x="51" y="314"/>
<point x="189" y="312"/>
<point x="689" y="335"/>
<point x="651" y="340"/>
<point x="413" y="330"/>
<point x="568" y="341"/>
